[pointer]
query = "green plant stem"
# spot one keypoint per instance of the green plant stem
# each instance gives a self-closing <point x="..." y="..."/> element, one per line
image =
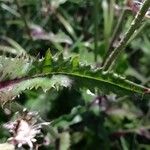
<point x="24" y="19"/>
<point x="108" y="15"/>
<point x="96" y="17"/>
<point x="138" y="32"/>
<point x="134" y="25"/>
<point x="115" y="34"/>
<point x="66" y="24"/>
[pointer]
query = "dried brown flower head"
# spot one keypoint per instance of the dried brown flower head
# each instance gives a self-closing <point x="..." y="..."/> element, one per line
<point x="135" y="6"/>
<point x="25" y="130"/>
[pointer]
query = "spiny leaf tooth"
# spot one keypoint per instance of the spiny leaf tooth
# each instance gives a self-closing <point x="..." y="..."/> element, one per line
<point x="53" y="86"/>
<point x="45" y="90"/>
<point x="36" y="87"/>
<point x="6" y="58"/>
<point x="27" y="88"/>
<point x="93" y="67"/>
<point x="9" y="89"/>
<point x="41" y="59"/>
<point x="122" y="77"/>
<point x="104" y="72"/>
<point x="90" y="93"/>
<point x="57" y="87"/>
<point x="82" y="64"/>
<point x="13" y="98"/>
<point x="55" y="58"/>
<point x="12" y="59"/>
<point x="30" y="87"/>
<point x="115" y="75"/>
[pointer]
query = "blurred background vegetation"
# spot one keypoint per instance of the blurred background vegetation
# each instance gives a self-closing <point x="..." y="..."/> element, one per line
<point x="81" y="27"/>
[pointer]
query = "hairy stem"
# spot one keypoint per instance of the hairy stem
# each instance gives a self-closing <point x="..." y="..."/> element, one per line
<point x="137" y="33"/>
<point x="135" y="24"/>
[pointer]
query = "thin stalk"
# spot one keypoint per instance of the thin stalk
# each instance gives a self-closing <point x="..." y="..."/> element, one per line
<point x="111" y="18"/>
<point x="23" y="18"/>
<point x="115" y="34"/>
<point x="107" y="22"/>
<point x="138" y="32"/>
<point x="96" y="17"/>
<point x="108" y="15"/>
<point x="66" y="24"/>
<point x="123" y="143"/>
<point x="134" y="26"/>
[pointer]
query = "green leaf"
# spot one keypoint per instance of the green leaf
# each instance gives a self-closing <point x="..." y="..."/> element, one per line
<point x="47" y="61"/>
<point x="80" y="76"/>
<point x="10" y="89"/>
<point x="14" y="67"/>
<point x="75" y="62"/>
<point x="88" y="77"/>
